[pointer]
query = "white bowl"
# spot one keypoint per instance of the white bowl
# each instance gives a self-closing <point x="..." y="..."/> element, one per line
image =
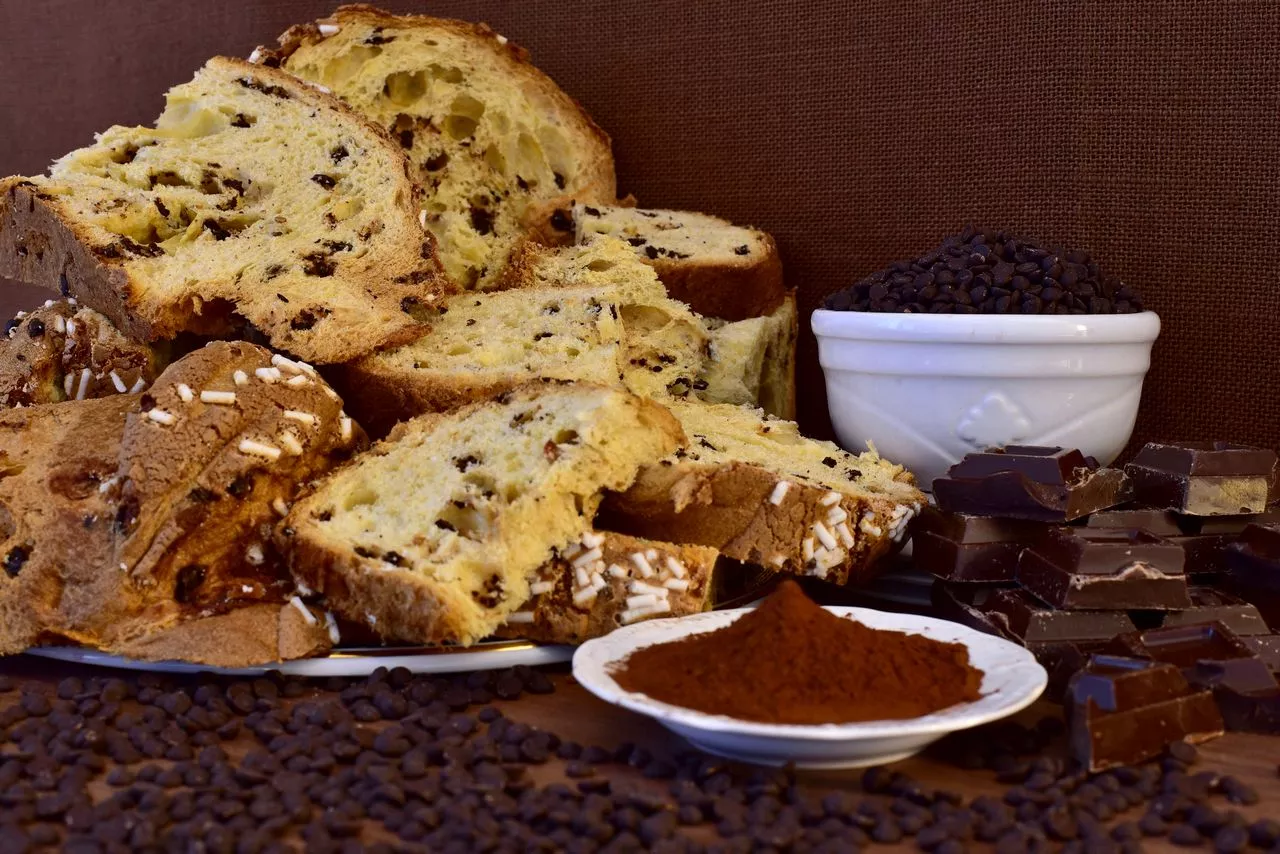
<point x="929" y="388"/>
<point x="1011" y="681"/>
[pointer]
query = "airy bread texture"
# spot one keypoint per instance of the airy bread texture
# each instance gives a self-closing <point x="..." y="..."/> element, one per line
<point x="256" y="200"/>
<point x="64" y="352"/>
<point x="595" y="314"/>
<point x="432" y="535"/>
<point x="666" y="343"/>
<point x="720" y="269"/>
<point x="60" y="518"/>
<point x="608" y="580"/>
<point x="755" y="489"/>
<point x="492" y="137"/>
<point x="753" y="362"/>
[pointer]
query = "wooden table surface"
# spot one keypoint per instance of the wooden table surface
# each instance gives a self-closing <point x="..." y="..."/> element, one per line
<point x="573" y="713"/>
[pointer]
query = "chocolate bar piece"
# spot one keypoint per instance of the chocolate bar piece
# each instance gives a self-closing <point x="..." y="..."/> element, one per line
<point x="963" y="603"/>
<point x="1162" y="523"/>
<point x="964" y="548"/>
<point x="1183" y="646"/>
<point x="1266" y="647"/>
<point x="1209" y="605"/>
<point x="1203" y="478"/>
<point x="1082" y="568"/>
<point x="1061" y="661"/>
<point x="1123" y="711"/>
<point x="1028" y="482"/>
<point x="1018" y="615"/>
<point x="966" y="529"/>
<point x="1233" y="524"/>
<point x="1088" y="551"/>
<point x="1247" y="694"/>
<point x="1254" y="560"/>
<point x="973" y="562"/>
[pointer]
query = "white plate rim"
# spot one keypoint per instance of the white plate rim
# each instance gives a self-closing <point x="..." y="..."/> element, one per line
<point x="592" y="659"/>
<point x="341" y="662"/>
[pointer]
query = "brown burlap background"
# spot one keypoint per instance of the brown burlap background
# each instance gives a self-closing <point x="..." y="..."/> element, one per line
<point x="857" y="132"/>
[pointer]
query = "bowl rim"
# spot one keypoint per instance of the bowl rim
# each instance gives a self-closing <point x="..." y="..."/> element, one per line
<point x="1137" y="328"/>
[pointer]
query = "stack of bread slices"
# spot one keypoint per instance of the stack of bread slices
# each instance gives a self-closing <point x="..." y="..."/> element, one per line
<point x="393" y="228"/>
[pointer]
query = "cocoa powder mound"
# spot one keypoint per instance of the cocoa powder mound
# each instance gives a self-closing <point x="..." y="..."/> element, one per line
<point x="792" y="662"/>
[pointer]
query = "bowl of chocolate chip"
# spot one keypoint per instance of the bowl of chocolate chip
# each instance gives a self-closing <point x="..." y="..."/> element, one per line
<point x="987" y="340"/>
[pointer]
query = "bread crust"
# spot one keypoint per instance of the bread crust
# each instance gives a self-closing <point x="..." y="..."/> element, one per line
<point x="598" y="181"/>
<point x="730" y="507"/>
<point x="385" y="396"/>
<point x="244" y="637"/>
<point x="55" y="519"/>
<point x="190" y="497"/>
<point x="41" y="242"/>
<point x="60" y="516"/>
<point x="44" y="359"/>
<point x="731" y="291"/>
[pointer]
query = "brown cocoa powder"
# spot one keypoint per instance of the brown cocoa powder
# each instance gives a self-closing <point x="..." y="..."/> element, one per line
<point x="790" y="661"/>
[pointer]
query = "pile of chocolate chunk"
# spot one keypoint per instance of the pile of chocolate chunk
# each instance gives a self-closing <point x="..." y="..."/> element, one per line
<point x="1151" y="594"/>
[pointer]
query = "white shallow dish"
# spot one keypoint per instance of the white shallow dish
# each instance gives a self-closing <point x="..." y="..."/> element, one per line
<point x="1012" y="680"/>
<point x="350" y="661"/>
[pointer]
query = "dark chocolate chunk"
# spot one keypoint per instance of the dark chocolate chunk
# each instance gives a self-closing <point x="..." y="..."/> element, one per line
<point x="1134" y="587"/>
<point x="1203" y="478"/>
<point x="1020" y="616"/>
<point x="1183" y="646"/>
<point x="1044" y="484"/>
<point x="1266" y="647"/>
<point x="1086" y="551"/>
<point x="1162" y="523"/>
<point x="1209" y="605"/>
<point x="976" y="562"/>
<point x="1126" y="710"/>
<point x="1246" y="692"/>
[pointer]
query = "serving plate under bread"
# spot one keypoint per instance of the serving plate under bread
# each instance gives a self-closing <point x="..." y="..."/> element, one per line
<point x="346" y="661"/>
<point x="1012" y="680"/>
<point x="748" y="584"/>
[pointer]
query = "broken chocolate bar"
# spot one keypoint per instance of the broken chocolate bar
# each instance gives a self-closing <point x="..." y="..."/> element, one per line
<point x="1083" y="568"/>
<point x="1209" y="605"/>
<point x="1266" y="647"/>
<point x="963" y="603"/>
<point x="1032" y="483"/>
<point x="1162" y="523"/>
<point x="1183" y="646"/>
<point x="1107" y="551"/>
<point x="1123" y="711"/>
<point x="973" y="562"/>
<point x="1018" y="615"/>
<point x="1203" y="478"/>
<point x="1137" y="587"/>
<point x="1061" y="661"/>
<point x="964" y="548"/>
<point x="1247" y="694"/>
<point x="1254" y="561"/>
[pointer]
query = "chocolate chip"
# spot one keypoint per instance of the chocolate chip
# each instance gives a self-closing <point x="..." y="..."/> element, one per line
<point x="16" y="559"/>
<point x="187" y="582"/>
<point x="561" y="221"/>
<point x="481" y="220"/>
